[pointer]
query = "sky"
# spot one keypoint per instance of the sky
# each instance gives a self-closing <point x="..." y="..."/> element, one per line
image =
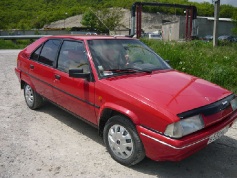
<point x="230" y="2"/>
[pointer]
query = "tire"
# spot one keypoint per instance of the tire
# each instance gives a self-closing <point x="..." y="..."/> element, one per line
<point x="33" y="99"/>
<point x="122" y="141"/>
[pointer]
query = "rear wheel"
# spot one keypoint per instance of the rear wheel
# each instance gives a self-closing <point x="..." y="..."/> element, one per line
<point x="122" y="141"/>
<point x="33" y="99"/>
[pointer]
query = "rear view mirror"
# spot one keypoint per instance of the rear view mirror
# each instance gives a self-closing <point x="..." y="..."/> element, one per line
<point x="78" y="73"/>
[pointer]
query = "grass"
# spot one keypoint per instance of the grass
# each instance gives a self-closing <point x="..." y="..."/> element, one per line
<point x="18" y="44"/>
<point x="218" y="65"/>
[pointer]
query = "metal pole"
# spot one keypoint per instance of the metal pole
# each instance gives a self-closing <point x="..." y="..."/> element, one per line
<point x="190" y="24"/>
<point x="216" y="19"/>
<point x="139" y="21"/>
<point x="186" y="29"/>
<point x="133" y="22"/>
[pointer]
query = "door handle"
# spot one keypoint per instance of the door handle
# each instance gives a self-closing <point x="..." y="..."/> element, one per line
<point x="57" y="76"/>
<point x="32" y="66"/>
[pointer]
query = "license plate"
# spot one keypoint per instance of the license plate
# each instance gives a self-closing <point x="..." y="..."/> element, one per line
<point x="217" y="135"/>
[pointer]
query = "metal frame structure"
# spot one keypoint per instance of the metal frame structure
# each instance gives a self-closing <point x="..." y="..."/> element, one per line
<point x="191" y="13"/>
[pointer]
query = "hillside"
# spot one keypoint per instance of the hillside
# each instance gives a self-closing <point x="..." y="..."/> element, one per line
<point x="29" y="14"/>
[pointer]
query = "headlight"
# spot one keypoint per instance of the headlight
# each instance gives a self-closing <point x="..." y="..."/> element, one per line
<point x="234" y="104"/>
<point x="185" y="127"/>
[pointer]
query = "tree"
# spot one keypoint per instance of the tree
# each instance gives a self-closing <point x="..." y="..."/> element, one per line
<point x="23" y="25"/>
<point x="234" y="18"/>
<point x="109" y="19"/>
<point x="89" y="19"/>
<point x="102" y="20"/>
<point x="226" y="11"/>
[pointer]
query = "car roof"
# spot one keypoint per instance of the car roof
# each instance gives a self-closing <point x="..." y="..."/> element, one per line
<point x="87" y="37"/>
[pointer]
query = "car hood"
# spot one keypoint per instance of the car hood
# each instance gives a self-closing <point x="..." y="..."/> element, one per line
<point x="173" y="91"/>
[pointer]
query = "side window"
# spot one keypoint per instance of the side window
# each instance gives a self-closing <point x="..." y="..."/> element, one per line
<point x="35" y="55"/>
<point x="73" y="56"/>
<point x="49" y="52"/>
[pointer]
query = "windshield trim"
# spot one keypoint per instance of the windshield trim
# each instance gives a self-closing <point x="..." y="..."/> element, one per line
<point x="135" y="73"/>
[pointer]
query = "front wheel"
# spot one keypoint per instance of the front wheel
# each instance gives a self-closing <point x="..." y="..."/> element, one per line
<point x="33" y="99"/>
<point x="122" y="141"/>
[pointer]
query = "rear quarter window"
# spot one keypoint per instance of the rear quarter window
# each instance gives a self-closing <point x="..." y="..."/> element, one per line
<point x="35" y="55"/>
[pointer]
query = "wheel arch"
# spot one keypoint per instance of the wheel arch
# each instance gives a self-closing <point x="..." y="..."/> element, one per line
<point x="109" y="110"/>
<point x="23" y="82"/>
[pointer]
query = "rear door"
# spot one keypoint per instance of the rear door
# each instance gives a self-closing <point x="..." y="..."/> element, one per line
<point x="42" y="67"/>
<point x="74" y="94"/>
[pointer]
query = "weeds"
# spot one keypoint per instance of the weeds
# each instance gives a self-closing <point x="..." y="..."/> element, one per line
<point x="18" y="44"/>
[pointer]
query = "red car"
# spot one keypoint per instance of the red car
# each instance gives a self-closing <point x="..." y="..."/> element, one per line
<point x="140" y="105"/>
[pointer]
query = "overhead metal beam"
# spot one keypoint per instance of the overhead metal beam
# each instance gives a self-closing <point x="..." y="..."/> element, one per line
<point x="193" y="13"/>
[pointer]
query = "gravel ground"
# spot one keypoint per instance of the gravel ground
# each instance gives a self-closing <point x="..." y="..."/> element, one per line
<point x="51" y="143"/>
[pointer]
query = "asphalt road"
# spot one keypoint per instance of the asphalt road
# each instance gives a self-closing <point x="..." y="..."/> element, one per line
<point x="51" y="143"/>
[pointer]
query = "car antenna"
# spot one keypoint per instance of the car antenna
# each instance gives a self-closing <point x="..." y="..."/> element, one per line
<point x="99" y="19"/>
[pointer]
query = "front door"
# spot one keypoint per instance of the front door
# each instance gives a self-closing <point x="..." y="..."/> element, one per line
<point x="74" y="94"/>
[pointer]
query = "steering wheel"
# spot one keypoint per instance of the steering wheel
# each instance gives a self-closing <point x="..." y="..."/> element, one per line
<point x="83" y="64"/>
<point x="138" y="61"/>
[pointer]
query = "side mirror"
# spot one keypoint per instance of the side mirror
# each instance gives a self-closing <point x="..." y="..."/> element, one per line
<point x="168" y="61"/>
<point x="78" y="73"/>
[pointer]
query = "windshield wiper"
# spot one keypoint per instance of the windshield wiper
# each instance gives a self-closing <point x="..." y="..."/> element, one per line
<point x="129" y="70"/>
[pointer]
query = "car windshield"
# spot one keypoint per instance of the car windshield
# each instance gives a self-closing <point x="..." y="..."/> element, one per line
<point x="123" y="56"/>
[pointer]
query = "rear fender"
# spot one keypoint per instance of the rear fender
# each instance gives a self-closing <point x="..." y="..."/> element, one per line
<point x="26" y="79"/>
<point x="18" y="74"/>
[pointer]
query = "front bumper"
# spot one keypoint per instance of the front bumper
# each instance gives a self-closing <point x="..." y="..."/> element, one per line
<point x="161" y="148"/>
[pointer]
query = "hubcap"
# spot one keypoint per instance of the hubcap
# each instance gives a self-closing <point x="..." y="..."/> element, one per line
<point x="29" y="95"/>
<point x="120" y="141"/>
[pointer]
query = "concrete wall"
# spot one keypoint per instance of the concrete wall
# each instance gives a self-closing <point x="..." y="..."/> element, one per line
<point x="226" y="28"/>
<point x="119" y="32"/>
<point x="205" y="27"/>
<point x="153" y="21"/>
<point x="171" y="31"/>
<point x="202" y="27"/>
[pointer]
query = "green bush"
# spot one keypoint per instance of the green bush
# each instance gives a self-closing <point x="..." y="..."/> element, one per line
<point x="18" y="44"/>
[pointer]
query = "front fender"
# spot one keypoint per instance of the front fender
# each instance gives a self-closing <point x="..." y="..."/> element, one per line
<point x="125" y="111"/>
